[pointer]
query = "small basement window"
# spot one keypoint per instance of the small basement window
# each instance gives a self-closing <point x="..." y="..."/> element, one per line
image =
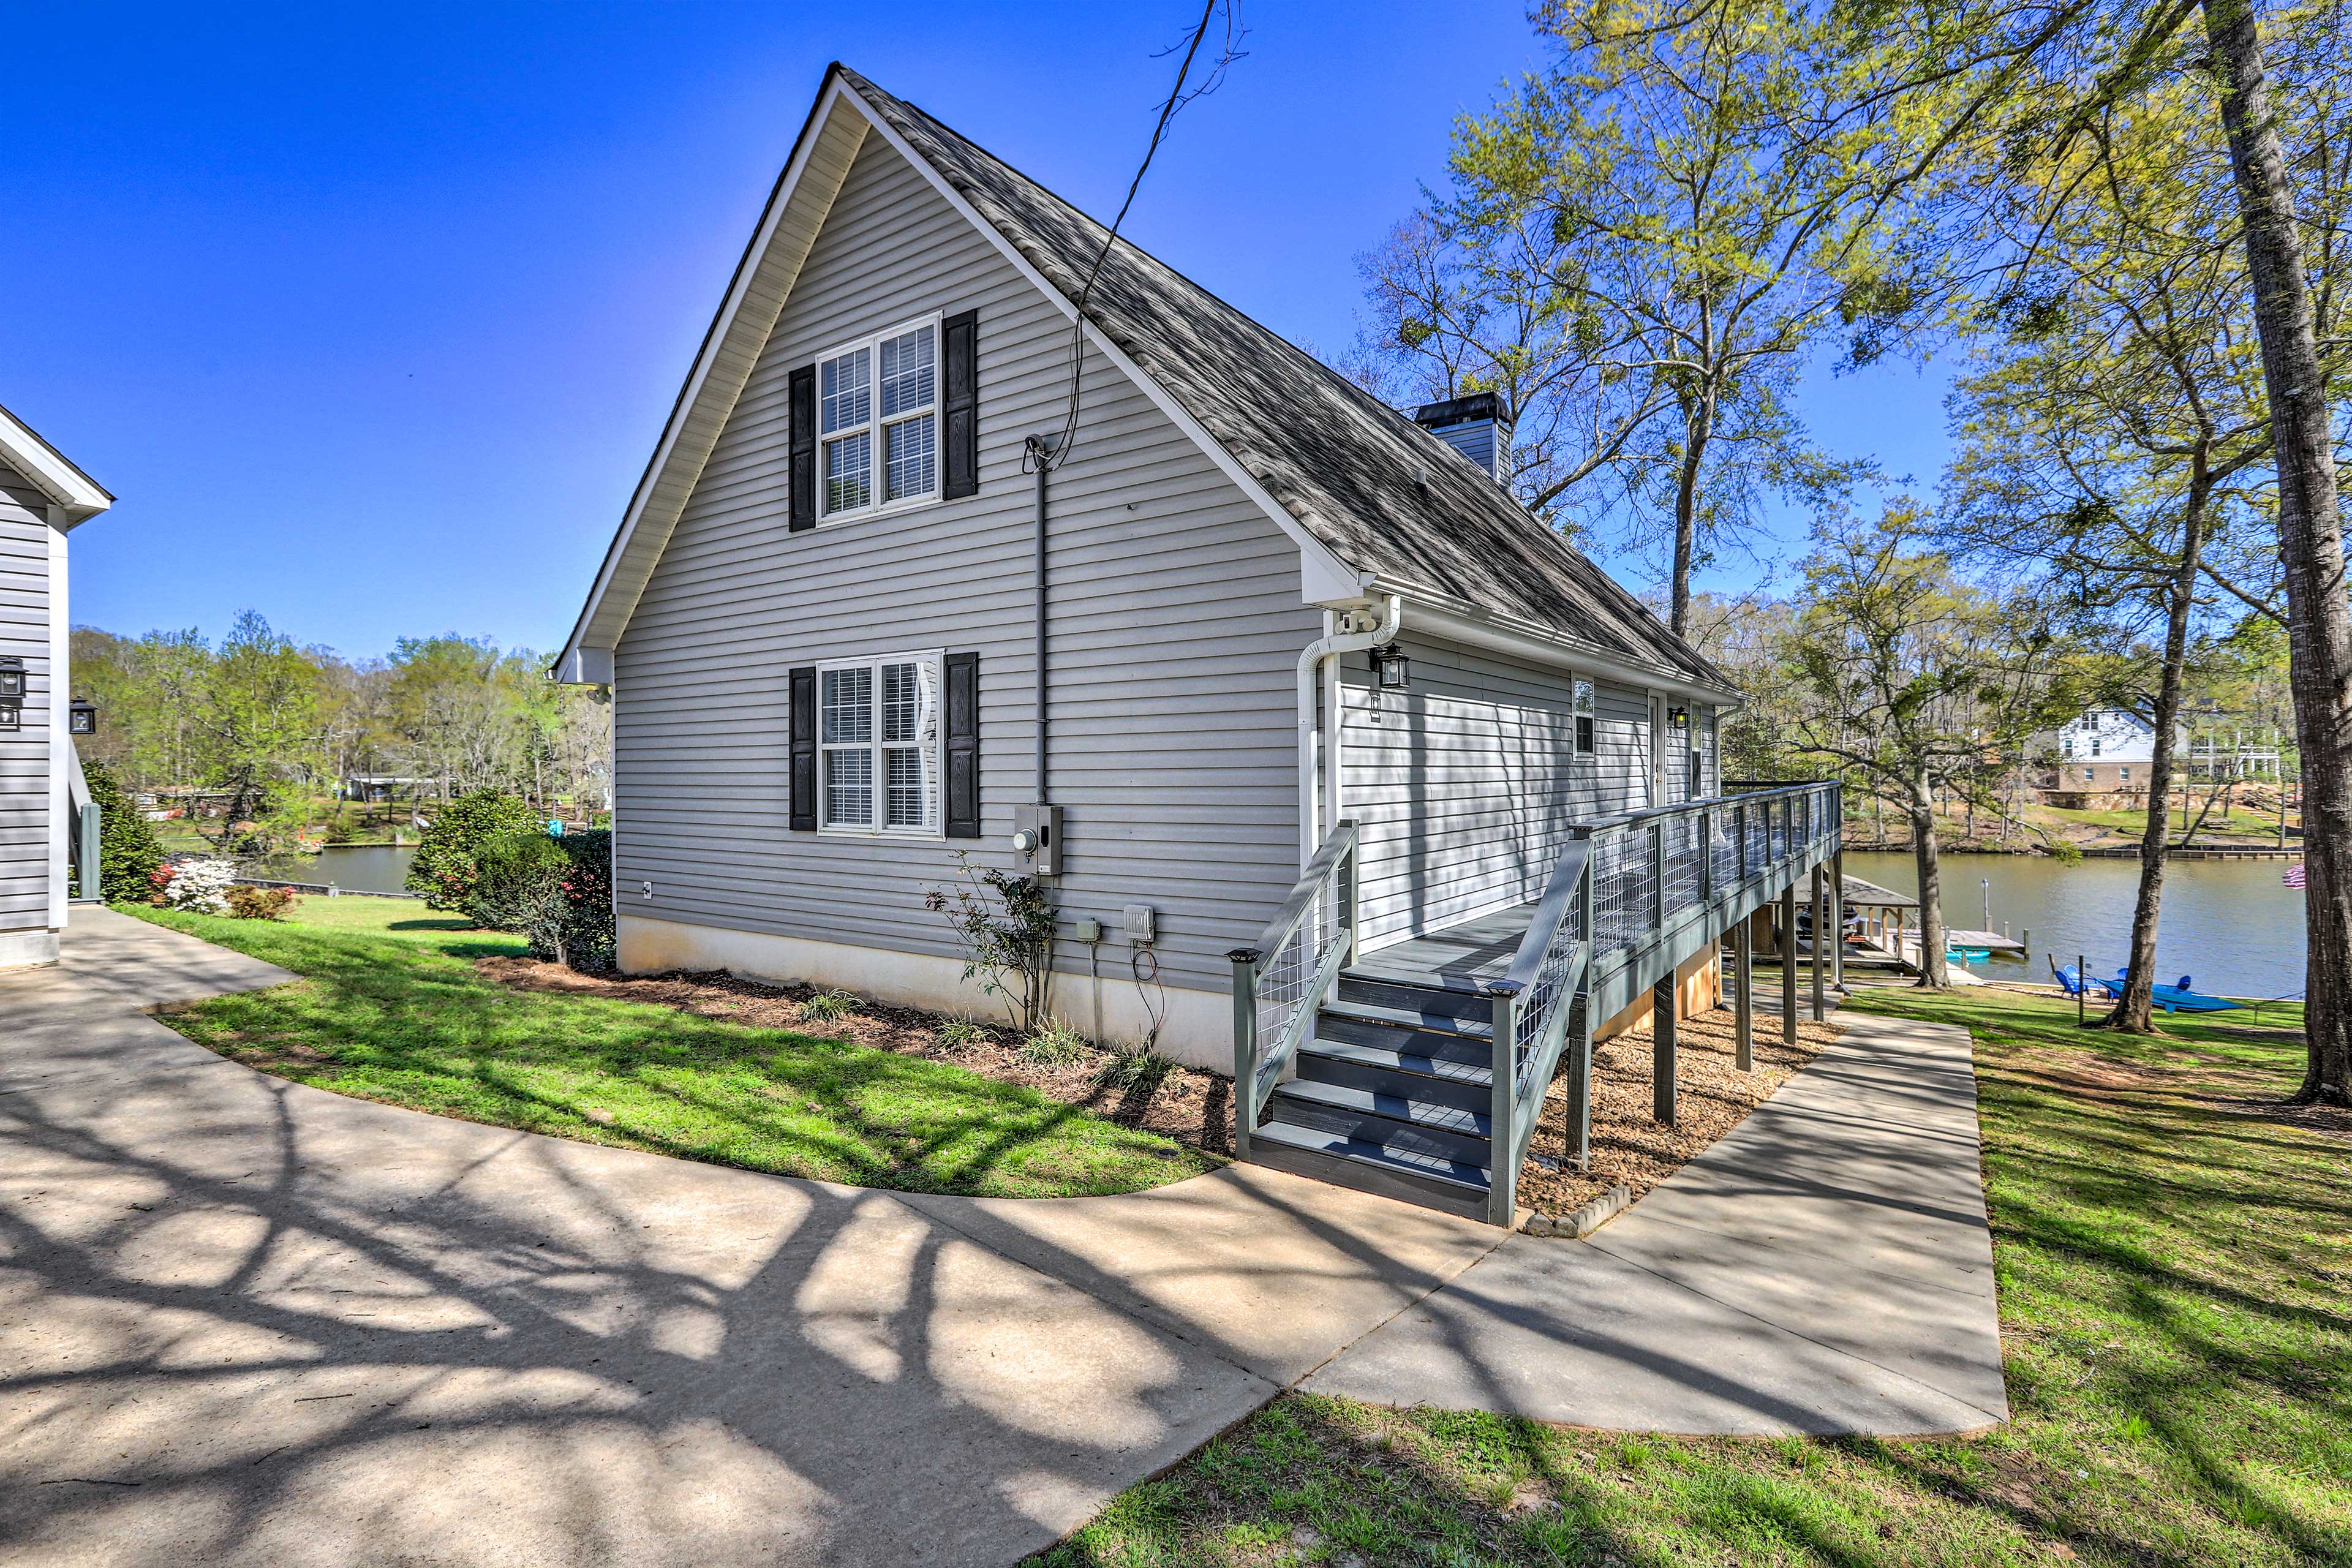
<point x="877" y="423"/>
<point x="1583" y="711"/>
<point x="879" y="746"/>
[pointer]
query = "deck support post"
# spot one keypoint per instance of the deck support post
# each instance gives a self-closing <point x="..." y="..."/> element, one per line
<point x="1579" y="1039"/>
<point x="1743" y="995"/>
<point x="1662" y="1050"/>
<point x="1244" y="962"/>
<point x="1788" y="962"/>
<point x="1837" y="920"/>
<point x="1502" y="1171"/>
<point x="1821" y="913"/>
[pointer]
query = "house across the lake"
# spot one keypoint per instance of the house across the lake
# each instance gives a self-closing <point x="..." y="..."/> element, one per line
<point x="42" y="498"/>
<point x="1203" y="633"/>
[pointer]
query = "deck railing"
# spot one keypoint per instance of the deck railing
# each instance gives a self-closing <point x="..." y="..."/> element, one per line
<point x="1618" y="888"/>
<point x="1279" y="982"/>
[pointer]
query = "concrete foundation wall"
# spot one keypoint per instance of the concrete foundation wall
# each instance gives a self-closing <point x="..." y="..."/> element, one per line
<point x="1197" y="1030"/>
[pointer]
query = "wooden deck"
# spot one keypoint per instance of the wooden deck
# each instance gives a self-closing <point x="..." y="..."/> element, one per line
<point x="1462" y="957"/>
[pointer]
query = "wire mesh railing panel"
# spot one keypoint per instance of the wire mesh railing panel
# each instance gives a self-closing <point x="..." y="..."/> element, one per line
<point x="1722" y="851"/>
<point x="1554" y="987"/>
<point x="1286" y="976"/>
<point x="1621" y="896"/>
<point x="1680" y="850"/>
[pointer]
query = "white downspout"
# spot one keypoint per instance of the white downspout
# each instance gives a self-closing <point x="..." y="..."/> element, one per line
<point x="1310" y="661"/>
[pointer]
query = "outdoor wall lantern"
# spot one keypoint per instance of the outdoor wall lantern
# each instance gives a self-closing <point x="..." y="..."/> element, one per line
<point x="81" y="717"/>
<point x="1391" y="670"/>
<point x="1680" y="717"/>
<point x="12" y="692"/>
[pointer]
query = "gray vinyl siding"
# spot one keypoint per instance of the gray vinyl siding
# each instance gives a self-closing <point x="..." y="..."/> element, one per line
<point x="1175" y="631"/>
<point x="24" y="751"/>
<point x="1465" y="784"/>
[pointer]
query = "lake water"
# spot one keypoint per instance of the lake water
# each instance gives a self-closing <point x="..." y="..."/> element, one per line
<point x="353" y="867"/>
<point x="2231" y="924"/>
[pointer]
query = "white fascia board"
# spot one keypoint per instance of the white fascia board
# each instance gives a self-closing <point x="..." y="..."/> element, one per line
<point x="1324" y="578"/>
<point x="1457" y="622"/>
<point x="583" y="667"/>
<point x="73" y="495"/>
<point x="747" y="272"/>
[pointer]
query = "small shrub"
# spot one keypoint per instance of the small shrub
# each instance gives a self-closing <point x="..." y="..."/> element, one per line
<point x="556" y="893"/>
<point x="447" y="858"/>
<point x="961" y="1034"/>
<point x="826" y="1005"/>
<point x="200" y="887"/>
<point x="1053" y="1044"/>
<point x="247" y="903"/>
<point x="1004" y="925"/>
<point x="1133" y="1067"/>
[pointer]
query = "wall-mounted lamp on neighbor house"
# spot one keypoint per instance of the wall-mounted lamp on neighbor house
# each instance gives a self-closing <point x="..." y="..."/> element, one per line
<point x="1391" y="670"/>
<point x="81" y="717"/>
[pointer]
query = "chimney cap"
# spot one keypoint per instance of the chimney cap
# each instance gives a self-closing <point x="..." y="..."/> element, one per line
<point x="1464" y="411"/>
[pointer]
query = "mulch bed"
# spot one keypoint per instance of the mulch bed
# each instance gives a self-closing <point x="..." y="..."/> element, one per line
<point x="1629" y="1148"/>
<point x="1196" y="1108"/>
<point x="1192" y="1108"/>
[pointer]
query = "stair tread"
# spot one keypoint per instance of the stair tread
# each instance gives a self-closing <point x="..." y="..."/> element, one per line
<point x="1418" y="979"/>
<point x="1400" y="1108"/>
<point x="1403" y="1019"/>
<point x="1459" y="1069"/>
<point x="1454" y="1174"/>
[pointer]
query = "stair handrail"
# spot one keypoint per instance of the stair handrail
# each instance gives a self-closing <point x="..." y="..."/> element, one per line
<point x="1330" y="880"/>
<point x="1534" y="1004"/>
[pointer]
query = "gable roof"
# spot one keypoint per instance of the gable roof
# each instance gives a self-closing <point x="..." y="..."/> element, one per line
<point x="50" y="471"/>
<point x="1343" y="472"/>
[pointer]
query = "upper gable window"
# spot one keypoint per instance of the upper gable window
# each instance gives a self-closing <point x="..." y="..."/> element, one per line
<point x="877" y="422"/>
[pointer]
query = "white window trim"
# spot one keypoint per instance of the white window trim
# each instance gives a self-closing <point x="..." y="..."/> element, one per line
<point x="937" y="659"/>
<point x="1589" y="684"/>
<point x="876" y="457"/>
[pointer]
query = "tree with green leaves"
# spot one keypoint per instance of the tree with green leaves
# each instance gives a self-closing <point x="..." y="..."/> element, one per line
<point x="256" y="734"/>
<point x="1917" y="681"/>
<point x="128" y="852"/>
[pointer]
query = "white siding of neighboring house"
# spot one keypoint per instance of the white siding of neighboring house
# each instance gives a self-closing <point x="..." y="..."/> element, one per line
<point x="25" y="543"/>
<point x="1467" y="785"/>
<point x="1175" y="629"/>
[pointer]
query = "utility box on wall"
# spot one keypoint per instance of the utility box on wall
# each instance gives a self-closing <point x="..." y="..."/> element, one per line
<point x="1037" y="839"/>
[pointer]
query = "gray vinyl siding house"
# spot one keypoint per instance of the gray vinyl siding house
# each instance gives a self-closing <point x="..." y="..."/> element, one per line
<point x="42" y="496"/>
<point x="1194" y="544"/>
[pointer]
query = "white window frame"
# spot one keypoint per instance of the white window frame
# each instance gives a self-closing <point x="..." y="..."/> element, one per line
<point x="877" y="444"/>
<point x="873" y="744"/>
<point x="1584" y="687"/>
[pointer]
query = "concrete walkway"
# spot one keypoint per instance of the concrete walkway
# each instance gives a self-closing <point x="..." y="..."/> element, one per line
<point x="1825" y="1267"/>
<point x="244" y="1322"/>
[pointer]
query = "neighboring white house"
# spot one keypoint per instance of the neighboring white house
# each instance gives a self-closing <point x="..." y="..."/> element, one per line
<point x="42" y="496"/>
<point x="2107" y="735"/>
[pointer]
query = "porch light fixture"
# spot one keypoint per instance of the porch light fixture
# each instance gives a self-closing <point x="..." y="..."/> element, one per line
<point x="81" y="717"/>
<point x="1391" y="670"/>
<point x="1680" y="716"/>
<point x="12" y="680"/>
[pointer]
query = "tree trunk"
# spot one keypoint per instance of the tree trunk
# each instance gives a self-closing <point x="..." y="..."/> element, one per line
<point x="1931" y="887"/>
<point x="2135" y="1010"/>
<point x="2311" y="542"/>
<point x="1696" y="433"/>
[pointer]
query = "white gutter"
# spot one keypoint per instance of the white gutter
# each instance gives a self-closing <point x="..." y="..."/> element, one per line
<point x="1310" y="663"/>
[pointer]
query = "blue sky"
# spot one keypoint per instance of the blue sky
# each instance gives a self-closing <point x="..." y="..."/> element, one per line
<point x="370" y="316"/>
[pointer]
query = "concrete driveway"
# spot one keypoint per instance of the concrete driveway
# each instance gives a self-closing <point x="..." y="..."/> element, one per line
<point x="244" y="1322"/>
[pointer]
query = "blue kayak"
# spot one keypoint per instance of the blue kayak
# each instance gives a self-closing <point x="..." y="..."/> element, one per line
<point x="2178" y="999"/>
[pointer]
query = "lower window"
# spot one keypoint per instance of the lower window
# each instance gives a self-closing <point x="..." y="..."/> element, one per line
<point x="879" y="746"/>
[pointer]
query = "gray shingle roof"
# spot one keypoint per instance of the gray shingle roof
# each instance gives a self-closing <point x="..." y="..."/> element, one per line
<point x="1381" y="493"/>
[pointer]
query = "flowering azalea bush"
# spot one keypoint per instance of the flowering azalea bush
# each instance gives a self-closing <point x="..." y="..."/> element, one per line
<point x="200" y="887"/>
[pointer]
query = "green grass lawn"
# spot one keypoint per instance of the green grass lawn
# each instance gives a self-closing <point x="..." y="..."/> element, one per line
<point x="2173" y="1270"/>
<point x="391" y="1008"/>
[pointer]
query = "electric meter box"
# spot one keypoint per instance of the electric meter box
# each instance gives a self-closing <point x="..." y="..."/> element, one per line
<point x="1037" y="839"/>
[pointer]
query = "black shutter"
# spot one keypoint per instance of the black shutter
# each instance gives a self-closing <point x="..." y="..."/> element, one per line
<point x="803" y="685"/>
<point x="963" y="745"/>
<point x="803" y="400"/>
<point x="961" y="409"/>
